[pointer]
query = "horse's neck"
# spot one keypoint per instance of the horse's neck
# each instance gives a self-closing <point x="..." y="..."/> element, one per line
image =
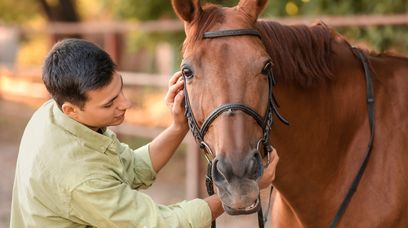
<point x="324" y="120"/>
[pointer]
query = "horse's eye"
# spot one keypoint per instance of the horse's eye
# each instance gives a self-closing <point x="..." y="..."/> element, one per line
<point x="187" y="73"/>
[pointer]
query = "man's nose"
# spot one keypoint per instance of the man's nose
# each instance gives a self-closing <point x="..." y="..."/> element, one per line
<point x="125" y="103"/>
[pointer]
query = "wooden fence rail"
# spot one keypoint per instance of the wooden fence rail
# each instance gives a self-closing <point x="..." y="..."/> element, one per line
<point x="176" y="26"/>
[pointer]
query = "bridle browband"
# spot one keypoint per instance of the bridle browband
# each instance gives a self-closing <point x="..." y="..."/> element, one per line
<point x="231" y="32"/>
<point x="266" y="123"/>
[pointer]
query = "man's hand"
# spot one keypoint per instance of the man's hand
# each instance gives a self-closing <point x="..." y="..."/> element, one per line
<point x="175" y="100"/>
<point x="164" y="145"/>
<point x="269" y="172"/>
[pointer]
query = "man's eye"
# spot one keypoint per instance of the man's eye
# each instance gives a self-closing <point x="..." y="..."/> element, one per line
<point x="108" y="105"/>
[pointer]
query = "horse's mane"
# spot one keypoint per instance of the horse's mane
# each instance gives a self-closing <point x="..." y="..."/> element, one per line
<point x="301" y="54"/>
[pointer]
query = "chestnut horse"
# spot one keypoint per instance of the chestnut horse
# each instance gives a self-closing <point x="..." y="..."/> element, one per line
<point x="321" y="89"/>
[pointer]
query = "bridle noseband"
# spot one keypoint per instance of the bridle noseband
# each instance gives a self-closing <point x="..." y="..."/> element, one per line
<point x="264" y="122"/>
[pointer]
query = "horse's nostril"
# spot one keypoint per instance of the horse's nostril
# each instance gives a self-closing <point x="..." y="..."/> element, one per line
<point x="253" y="169"/>
<point x="218" y="172"/>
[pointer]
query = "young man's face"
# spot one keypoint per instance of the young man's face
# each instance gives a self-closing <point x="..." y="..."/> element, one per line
<point x="105" y="106"/>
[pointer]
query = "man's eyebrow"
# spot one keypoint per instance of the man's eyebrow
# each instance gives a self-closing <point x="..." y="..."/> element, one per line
<point x="116" y="96"/>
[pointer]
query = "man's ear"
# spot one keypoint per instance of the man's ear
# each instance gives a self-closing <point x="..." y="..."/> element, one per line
<point x="70" y="109"/>
<point x="187" y="10"/>
<point x="252" y="7"/>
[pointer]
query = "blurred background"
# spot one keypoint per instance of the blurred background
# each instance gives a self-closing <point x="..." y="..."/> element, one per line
<point x="144" y="38"/>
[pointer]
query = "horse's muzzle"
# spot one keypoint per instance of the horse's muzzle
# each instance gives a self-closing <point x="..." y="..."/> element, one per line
<point x="237" y="184"/>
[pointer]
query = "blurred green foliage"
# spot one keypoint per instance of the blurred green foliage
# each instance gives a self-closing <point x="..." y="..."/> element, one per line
<point x="12" y="11"/>
<point x="140" y="9"/>
<point x="148" y="10"/>
<point x="337" y="7"/>
<point x="380" y="38"/>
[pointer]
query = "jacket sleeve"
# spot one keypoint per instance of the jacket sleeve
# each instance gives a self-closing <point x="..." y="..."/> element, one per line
<point x="137" y="165"/>
<point x="106" y="202"/>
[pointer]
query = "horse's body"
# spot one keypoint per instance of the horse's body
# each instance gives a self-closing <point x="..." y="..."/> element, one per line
<point x="321" y="91"/>
<point x="322" y="150"/>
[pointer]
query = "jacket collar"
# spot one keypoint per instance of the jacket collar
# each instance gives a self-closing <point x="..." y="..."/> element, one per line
<point x="90" y="138"/>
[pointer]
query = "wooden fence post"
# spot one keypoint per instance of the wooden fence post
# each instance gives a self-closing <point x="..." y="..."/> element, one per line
<point x="112" y="42"/>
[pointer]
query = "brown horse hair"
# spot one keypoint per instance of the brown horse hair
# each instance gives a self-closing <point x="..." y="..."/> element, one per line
<point x="300" y="54"/>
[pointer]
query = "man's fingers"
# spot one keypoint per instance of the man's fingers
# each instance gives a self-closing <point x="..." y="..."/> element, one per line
<point x="274" y="157"/>
<point x="178" y="106"/>
<point x="173" y="90"/>
<point x="173" y="79"/>
<point x="269" y="171"/>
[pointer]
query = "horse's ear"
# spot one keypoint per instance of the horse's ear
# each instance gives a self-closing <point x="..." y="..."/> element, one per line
<point x="187" y="10"/>
<point x="252" y="7"/>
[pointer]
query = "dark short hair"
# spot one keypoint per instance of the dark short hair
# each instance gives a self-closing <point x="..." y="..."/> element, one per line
<point x="73" y="67"/>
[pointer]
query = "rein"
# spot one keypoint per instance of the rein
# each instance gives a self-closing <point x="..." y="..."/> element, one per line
<point x="371" y="120"/>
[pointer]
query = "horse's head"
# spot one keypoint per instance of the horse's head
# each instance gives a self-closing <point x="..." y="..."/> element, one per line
<point x="228" y="83"/>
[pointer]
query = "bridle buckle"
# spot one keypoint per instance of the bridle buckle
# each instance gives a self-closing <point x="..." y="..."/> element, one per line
<point x="267" y="148"/>
<point x="208" y="154"/>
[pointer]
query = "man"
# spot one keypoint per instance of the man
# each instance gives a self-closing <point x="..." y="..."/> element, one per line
<point x="73" y="172"/>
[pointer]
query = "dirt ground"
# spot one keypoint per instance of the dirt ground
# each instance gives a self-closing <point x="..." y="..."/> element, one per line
<point x="169" y="187"/>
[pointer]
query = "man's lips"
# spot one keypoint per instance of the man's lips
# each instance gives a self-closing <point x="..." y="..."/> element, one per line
<point x="120" y="116"/>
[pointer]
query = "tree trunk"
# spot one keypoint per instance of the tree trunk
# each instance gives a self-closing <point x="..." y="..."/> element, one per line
<point x="61" y="11"/>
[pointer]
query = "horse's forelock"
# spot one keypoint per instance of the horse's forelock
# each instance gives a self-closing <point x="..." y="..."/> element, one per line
<point x="301" y="54"/>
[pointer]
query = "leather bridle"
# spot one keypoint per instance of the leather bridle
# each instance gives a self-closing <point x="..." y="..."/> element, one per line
<point x="265" y="123"/>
